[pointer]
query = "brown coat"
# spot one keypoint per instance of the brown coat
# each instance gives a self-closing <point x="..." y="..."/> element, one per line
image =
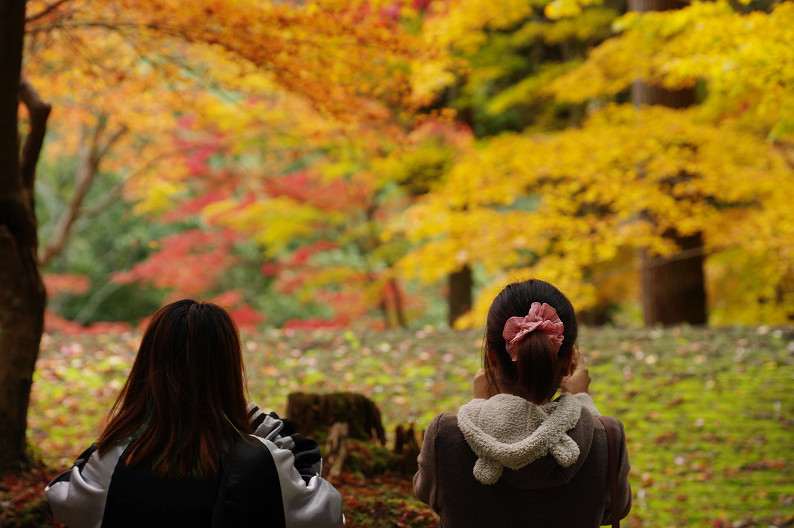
<point x="542" y="493"/>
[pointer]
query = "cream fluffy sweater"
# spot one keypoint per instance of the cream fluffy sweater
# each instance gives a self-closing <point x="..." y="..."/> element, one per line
<point x="509" y="431"/>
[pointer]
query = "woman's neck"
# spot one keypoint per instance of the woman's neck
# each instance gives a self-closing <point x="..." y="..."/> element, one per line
<point x="502" y="386"/>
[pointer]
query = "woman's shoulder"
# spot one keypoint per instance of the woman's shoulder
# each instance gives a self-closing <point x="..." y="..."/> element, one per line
<point x="444" y="432"/>
<point x="443" y="421"/>
<point x="603" y="422"/>
<point x="446" y="417"/>
<point x="441" y="425"/>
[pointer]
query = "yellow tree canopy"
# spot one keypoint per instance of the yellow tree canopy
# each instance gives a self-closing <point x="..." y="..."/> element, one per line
<point x="566" y="206"/>
<point x="746" y="61"/>
<point x="577" y="206"/>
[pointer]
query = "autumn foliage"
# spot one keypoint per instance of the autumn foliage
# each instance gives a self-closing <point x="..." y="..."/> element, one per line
<point x="366" y="150"/>
<point x="576" y="206"/>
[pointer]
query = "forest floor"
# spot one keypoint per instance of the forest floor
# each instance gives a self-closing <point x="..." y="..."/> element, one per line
<point x="709" y="413"/>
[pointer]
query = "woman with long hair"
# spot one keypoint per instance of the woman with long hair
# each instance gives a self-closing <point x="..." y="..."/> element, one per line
<point x="183" y="448"/>
<point x="515" y="455"/>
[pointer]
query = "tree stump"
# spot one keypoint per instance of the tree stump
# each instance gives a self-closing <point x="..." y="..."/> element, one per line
<point x="336" y="449"/>
<point x="406" y="449"/>
<point x="318" y="412"/>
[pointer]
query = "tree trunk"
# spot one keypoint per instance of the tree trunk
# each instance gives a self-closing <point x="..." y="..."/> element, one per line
<point x="399" y="309"/>
<point x="22" y="296"/>
<point x="656" y="5"/>
<point x="673" y="289"/>
<point x="318" y="412"/>
<point x="459" y="298"/>
<point x="21" y="325"/>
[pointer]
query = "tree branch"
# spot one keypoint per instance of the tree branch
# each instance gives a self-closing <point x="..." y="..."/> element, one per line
<point x="86" y="172"/>
<point x="46" y="11"/>
<point x="110" y="197"/>
<point x="102" y="151"/>
<point x="39" y="112"/>
<point x="91" y="154"/>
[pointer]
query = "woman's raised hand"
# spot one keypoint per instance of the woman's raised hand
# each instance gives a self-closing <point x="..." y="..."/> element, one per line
<point x="481" y="385"/>
<point x="579" y="379"/>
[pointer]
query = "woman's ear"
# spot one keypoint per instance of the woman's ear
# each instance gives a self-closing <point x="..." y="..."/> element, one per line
<point x="491" y="357"/>
<point x="567" y="365"/>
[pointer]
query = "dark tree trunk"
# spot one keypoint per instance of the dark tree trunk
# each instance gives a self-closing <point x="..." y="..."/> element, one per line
<point x="22" y="296"/>
<point x="657" y="5"/>
<point x="459" y="298"/>
<point x="673" y="289"/>
<point x="318" y="412"/>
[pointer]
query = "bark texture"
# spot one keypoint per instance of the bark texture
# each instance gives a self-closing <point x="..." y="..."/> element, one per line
<point x="673" y="289"/>
<point x="22" y="296"/>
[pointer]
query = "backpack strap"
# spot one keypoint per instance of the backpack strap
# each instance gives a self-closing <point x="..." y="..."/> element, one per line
<point x="614" y="488"/>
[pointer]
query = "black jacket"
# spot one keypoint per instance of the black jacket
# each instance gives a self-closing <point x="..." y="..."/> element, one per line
<point x="270" y="478"/>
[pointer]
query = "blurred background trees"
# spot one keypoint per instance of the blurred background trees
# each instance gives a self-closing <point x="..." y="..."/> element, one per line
<point x="629" y="190"/>
<point x="399" y="173"/>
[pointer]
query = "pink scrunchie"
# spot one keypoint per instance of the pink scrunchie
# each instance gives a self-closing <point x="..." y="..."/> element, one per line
<point x="540" y="317"/>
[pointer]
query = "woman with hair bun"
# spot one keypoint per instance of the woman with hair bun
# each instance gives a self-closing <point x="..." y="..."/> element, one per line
<point x="515" y="455"/>
<point x="184" y="449"/>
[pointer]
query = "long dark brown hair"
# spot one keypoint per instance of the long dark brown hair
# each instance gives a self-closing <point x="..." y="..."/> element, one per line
<point x="537" y="372"/>
<point x="185" y="393"/>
